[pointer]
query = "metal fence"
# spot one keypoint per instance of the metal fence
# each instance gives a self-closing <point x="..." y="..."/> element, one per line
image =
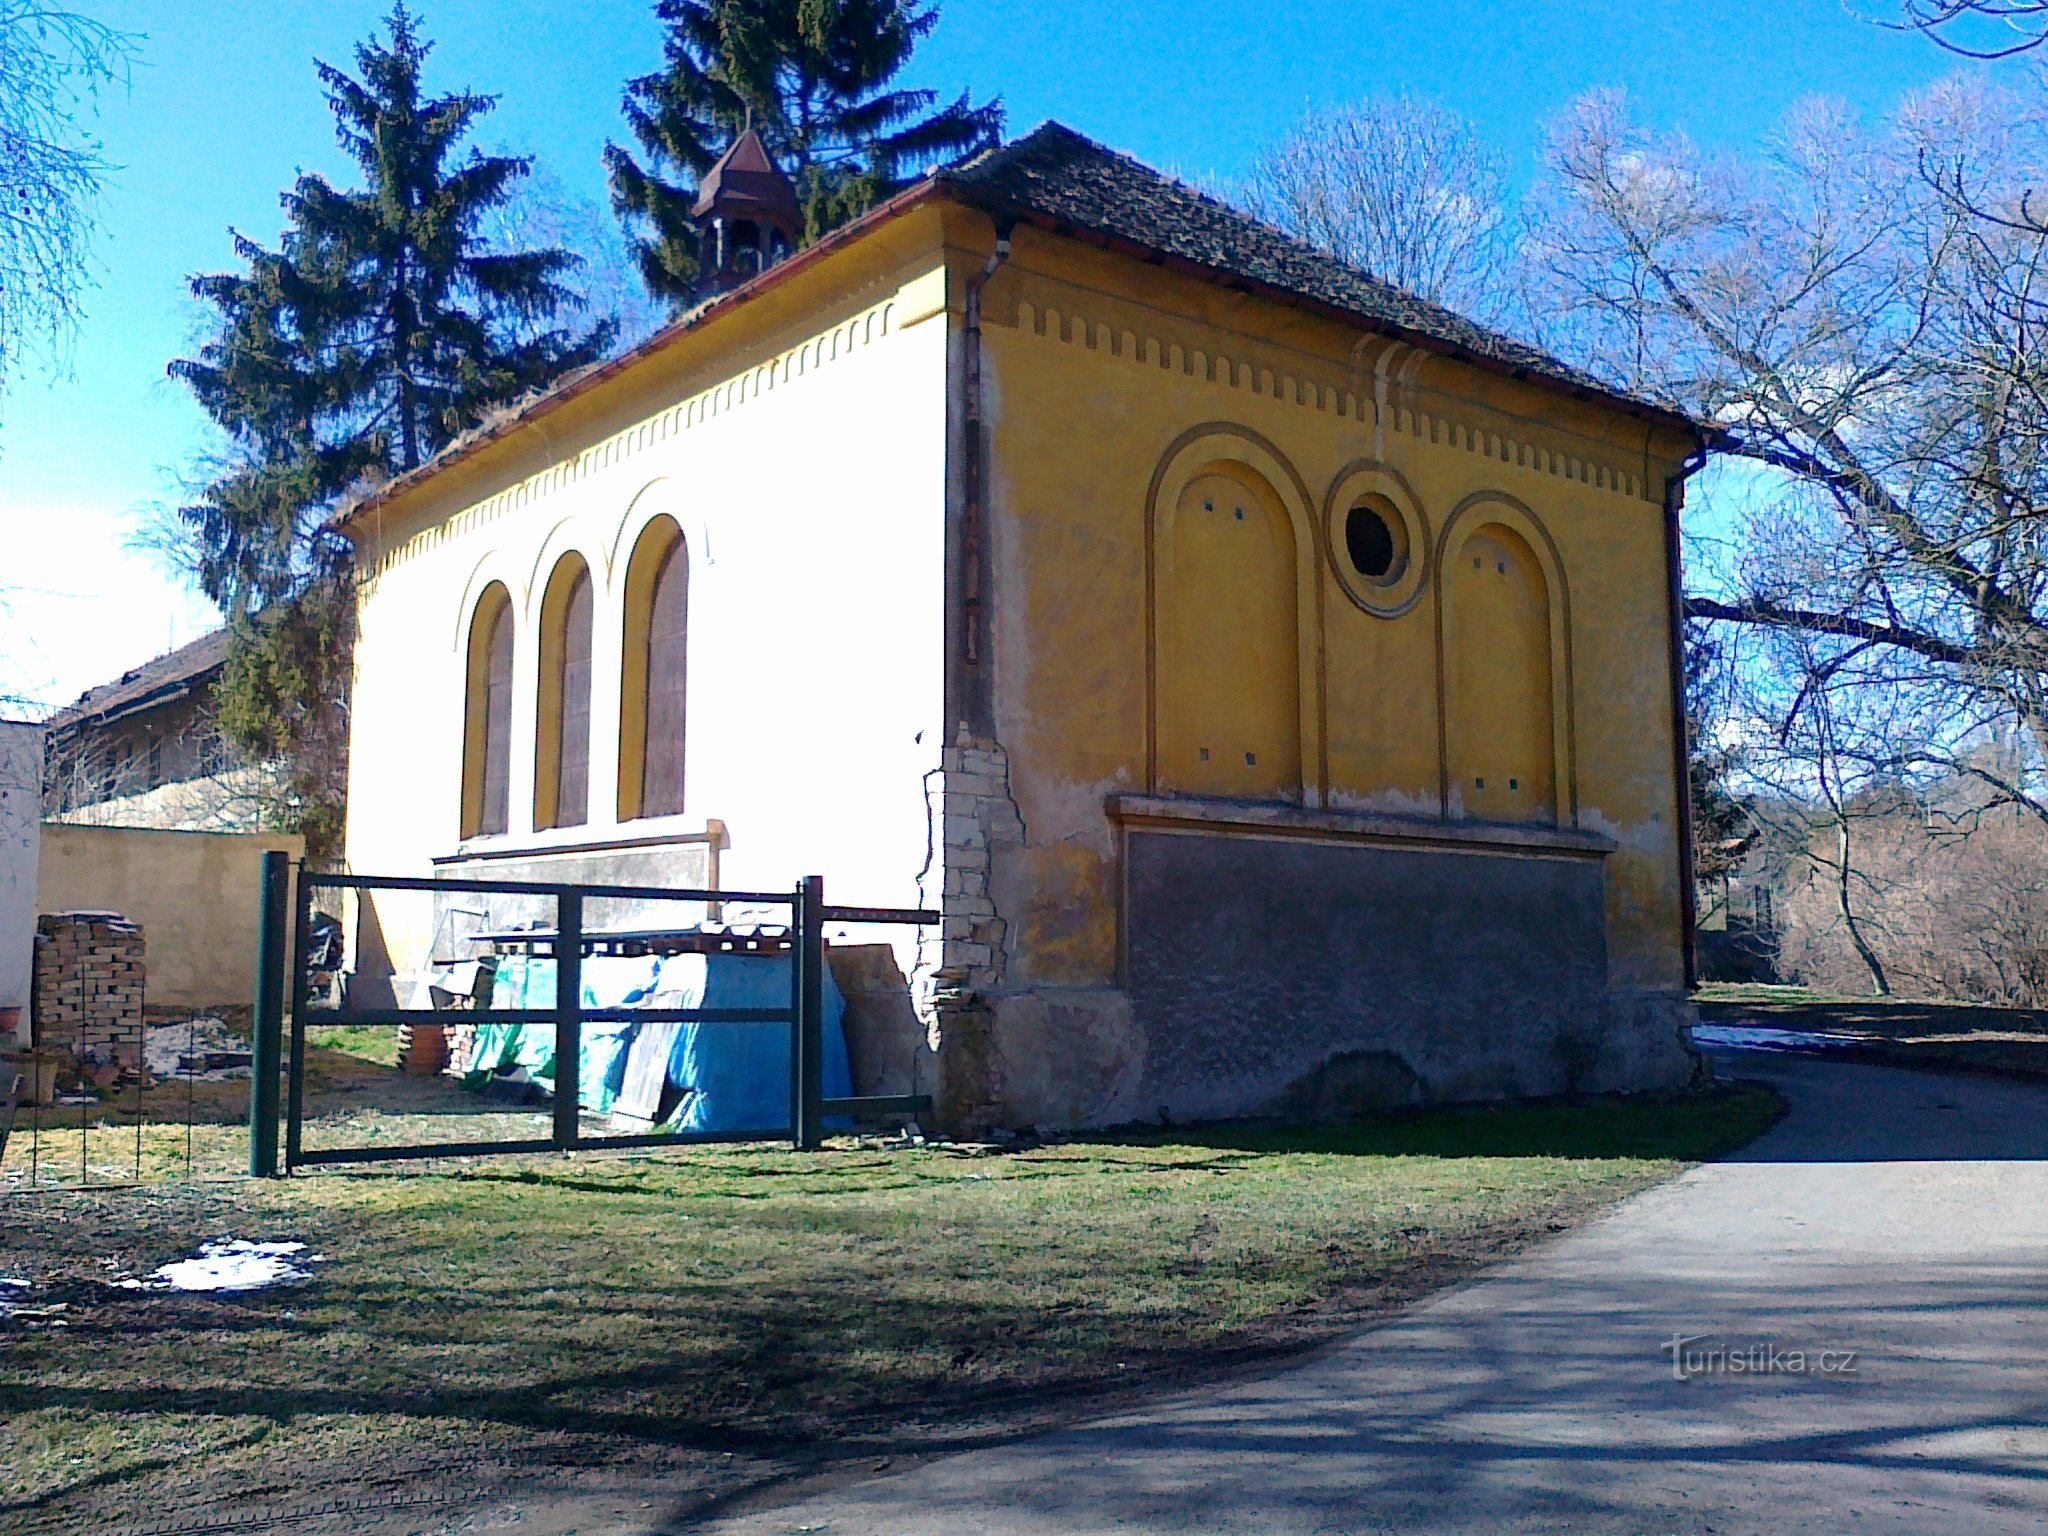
<point x="286" y="1014"/>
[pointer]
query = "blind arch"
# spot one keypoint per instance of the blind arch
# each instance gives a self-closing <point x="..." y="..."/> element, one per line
<point x="487" y="716"/>
<point x="561" y="780"/>
<point x="654" y="686"/>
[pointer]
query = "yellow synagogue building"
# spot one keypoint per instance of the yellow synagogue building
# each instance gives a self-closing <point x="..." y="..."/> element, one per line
<point x="1270" y="677"/>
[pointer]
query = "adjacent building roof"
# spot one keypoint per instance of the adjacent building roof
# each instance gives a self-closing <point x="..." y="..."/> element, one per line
<point x="171" y="676"/>
<point x="1069" y="184"/>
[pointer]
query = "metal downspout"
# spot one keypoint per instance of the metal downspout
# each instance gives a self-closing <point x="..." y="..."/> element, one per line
<point x="973" y="521"/>
<point x="1674" y="500"/>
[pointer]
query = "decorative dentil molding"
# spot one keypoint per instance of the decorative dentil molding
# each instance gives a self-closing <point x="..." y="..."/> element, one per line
<point x="1153" y="338"/>
<point x="727" y="395"/>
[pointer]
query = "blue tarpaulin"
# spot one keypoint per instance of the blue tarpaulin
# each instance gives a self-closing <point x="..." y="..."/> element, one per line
<point x="738" y="1074"/>
<point x="734" y="1077"/>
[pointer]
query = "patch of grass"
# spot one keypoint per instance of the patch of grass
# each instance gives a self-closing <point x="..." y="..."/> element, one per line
<point x="1767" y="992"/>
<point x="752" y="1299"/>
<point x="365" y="1042"/>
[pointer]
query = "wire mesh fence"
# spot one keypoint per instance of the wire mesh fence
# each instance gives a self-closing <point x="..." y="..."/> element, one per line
<point x="670" y="1026"/>
<point x="156" y="1097"/>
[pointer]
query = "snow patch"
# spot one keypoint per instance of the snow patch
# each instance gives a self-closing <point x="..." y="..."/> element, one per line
<point x="1743" y="1037"/>
<point x="200" y="1048"/>
<point x="18" y="1305"/>
<point x="230" y="1265"/>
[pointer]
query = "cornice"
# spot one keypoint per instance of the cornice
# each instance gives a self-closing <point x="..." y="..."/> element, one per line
<point x="1378" y="390"/>
<point x="729" y="394"/>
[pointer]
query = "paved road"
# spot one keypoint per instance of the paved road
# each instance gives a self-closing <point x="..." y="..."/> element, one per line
<point x="1898" y="1215"/>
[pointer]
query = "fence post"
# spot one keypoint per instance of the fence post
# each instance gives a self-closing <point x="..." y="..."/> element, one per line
<point x="268" y="1027"/>
<point x="300" y="998"/>
<point x="568" y="1018"/>
<point x="808" y="958"/>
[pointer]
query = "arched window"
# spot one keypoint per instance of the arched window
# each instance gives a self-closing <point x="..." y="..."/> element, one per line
<point x="651" y="722"/>
<point x="1501" y="727"/>
<point x="561" y="779"/>
<point x="487" y="716"/>
<point x="1227" y="632"/>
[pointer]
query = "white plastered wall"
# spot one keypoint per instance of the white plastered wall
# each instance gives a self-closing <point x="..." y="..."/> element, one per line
<point x="811" y="494"/>
<point x="21" y="816"/>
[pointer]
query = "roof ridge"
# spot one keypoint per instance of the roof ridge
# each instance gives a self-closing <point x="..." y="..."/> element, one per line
<point x="1058" y="177"/>
<point x="1290" y="262"/>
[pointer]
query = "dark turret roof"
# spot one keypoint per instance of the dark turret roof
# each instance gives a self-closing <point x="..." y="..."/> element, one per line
<point x="747" y="184"/>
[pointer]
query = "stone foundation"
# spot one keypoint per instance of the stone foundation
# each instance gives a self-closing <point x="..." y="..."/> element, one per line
<point x="977" y="813"/>
<point x="1310" y="973"/>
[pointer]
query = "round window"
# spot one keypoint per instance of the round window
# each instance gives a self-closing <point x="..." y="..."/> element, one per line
<point x="1373" y="543"/>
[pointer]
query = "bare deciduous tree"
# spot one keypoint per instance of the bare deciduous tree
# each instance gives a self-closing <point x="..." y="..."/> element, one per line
<point x="1401" y="187"/>
<point x="192" y="778"/>
<point x="542" y="213"/>
<point x="52" y="62"/>
<point x="1951" y="914"/>
<point x="1874" y="341"/>
<point x="1980" y="29"/>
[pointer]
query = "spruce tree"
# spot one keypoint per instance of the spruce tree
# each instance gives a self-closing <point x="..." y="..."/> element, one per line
<point x="812" y="77"/>
<point x="384" y="325"/>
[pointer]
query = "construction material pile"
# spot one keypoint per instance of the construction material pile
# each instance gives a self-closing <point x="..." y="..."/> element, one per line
<point x="88" y="987"/>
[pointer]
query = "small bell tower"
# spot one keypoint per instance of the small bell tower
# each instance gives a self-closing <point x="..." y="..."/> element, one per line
<point x="747" y="216"/>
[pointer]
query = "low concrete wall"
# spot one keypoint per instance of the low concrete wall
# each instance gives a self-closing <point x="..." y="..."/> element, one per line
<point x="193" y="893"/>
<point x="685" y="863"/>
<point x="886" y="1044"/>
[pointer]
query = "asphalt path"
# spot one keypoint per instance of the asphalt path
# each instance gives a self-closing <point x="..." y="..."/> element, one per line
<point x="1842" y="1328"/>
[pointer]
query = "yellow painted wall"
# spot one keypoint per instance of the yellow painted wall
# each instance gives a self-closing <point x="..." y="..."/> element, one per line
<point x="1500" y="729"/>
<point x="1229" y="638"/>
<point x="1122" y="398"/>
<point x="194" y="893"/>
<point x="799" y="444"/>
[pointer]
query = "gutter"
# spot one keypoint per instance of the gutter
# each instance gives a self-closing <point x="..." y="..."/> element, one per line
<point x="972" y="475"/>
<point x="1688" y="900"/>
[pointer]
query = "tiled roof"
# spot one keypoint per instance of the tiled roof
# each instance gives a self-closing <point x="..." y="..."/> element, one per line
<point x="1056" y="172"/>
<point x="1063" y="178"/>
<point x="173" y="674"/>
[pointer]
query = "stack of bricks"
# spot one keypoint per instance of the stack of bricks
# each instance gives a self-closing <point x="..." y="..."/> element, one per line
<point x="89" y="975"/>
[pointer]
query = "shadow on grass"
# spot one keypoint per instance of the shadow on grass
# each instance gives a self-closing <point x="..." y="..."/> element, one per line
<point x="1687" y="1127"/>
<point x="1690" y="1127"/>
<point x="1891" y="1018"/>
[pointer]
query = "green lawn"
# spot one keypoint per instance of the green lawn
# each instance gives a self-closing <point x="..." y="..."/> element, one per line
<point x="365" y="1042"/>
<point x="709" y="1311"/>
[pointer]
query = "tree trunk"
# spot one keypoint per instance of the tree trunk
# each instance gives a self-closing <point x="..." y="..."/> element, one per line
<point x="1879" y="986"/>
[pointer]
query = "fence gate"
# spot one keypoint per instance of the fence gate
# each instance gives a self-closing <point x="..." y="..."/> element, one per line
<point x="288" y="1018"/>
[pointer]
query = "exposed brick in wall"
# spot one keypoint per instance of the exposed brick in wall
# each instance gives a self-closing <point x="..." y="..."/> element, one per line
<point x="977" y="813"/>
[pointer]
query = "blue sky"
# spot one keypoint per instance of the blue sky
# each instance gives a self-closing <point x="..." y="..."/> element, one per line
<point x="224" y="111"/>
